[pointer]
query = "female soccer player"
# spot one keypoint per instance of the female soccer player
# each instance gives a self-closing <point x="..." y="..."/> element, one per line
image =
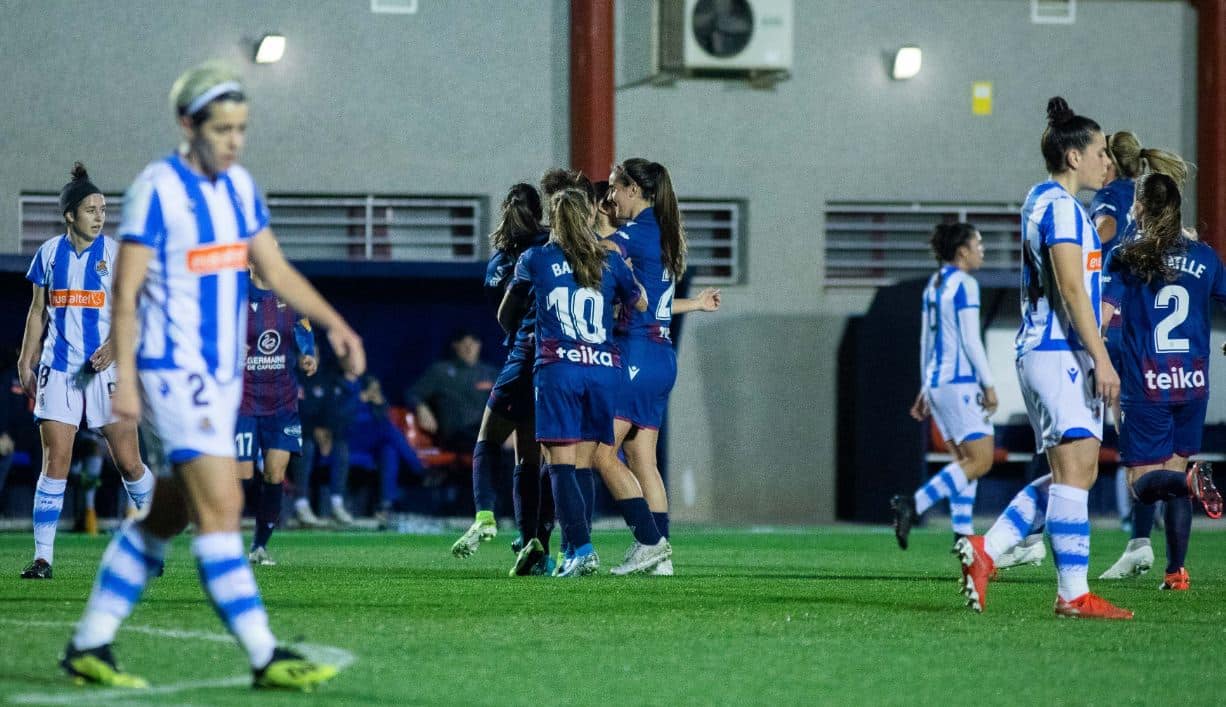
<point x="574" y="283"/>
<point x="1061" y="290"/>
<point x="192" y="222"/>
<point x="268" y="425"/>
<point x="956" y="383"/>
<point x="67" y="357"/>
<point x="1161" y="284"/>
<point x="652" y="238"/>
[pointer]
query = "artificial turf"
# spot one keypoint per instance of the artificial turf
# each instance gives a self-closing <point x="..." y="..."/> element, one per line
<point x="812" y="616"/>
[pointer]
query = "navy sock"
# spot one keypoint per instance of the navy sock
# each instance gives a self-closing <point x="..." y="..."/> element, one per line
<point x="587" y="486"/>
<point x="661" y="522"/>
<point x="545" y="512"/>
<point x="1142" y="519"/>
<point x="1160" y="485"/>
<point x="485" y="459"/>
<point x="1178" y="530"/>
<point x="269" y="513"/>
<point x="568" y="500"/>
<point x="638" y="517"/>
<point x="526" y="498"/>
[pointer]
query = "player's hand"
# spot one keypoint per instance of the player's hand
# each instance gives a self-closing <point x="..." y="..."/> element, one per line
<point x="125" y="401"/>
<point x="308" y="364"/>
<point x="1107" y="383"/>
<point x="103" y="357"/>
<point x="6" y="444"/>
<point x="29" y="381"/>
<point x="709" y="299"/>
<point x="349" y="350"/>
<point x="919" y="410"/>
<point x="990" y="402"/>
<point x="425" y="420"/>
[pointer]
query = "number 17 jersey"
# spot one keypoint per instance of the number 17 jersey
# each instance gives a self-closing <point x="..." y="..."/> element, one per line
<point x="1164" y="339"/>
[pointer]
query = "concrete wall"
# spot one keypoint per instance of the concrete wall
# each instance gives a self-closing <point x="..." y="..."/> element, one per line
<point x="466" y="97"/>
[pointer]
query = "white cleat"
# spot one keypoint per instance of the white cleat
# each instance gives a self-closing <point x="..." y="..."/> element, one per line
<point x="260" y="556"/>
<point x="580" y="566"/>
<point x="1029" y="551"/>
<point x="306" y="516"/>
<point x="664" y="569"/>
<point x="643" y="558"/>
<point x="340" y="515"/>
<point x="1138" y="557"/>
<point x="481" y="531"/>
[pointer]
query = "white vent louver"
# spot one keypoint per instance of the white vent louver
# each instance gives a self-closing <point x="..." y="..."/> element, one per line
<point x="393" y="7"/>
<point x="1053" y="12"/>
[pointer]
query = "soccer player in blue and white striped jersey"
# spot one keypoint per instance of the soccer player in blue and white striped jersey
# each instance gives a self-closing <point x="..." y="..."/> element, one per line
<point x="191" y="223"/>
<point x="956" y="386"/>
<point x="66" y="361"/>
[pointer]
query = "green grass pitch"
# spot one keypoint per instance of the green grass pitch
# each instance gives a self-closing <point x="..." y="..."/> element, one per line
<point x="813" y="616"/>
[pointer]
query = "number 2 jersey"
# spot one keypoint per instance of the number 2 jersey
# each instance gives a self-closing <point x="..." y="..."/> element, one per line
<point x="639" y="240"/>
<point x="573" y="324"/>
<point x="1164" y="338"/>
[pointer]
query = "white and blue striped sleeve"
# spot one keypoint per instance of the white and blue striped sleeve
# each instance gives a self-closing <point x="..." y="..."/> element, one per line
<point x="142" y="215"/>
<point x="255" y="208"/>
<point x="966" y="303"/>
<point x="1062" y="222"/>
<point x="37" y="273"/>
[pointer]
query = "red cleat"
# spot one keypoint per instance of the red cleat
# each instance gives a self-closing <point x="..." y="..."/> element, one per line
<point x="1200" y="483"/>
<point x="1177" y="581"/>
<point x="1090" y="606"/>
<point x="977" y="570"/>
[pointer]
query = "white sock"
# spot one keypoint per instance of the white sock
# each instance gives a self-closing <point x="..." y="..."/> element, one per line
<point x="1018" y="519"/>
<point x="141" y="490"/>
<point x="962" y="509"/>
<point x="338" y="501"/>
<point x="1068" y="524"/>
<point x="48" y="502"/>
<point x="231" y="587"/>
<point x="946" y="484"/>
<point x="301" y="503"/>
<point x="132" y="554"/>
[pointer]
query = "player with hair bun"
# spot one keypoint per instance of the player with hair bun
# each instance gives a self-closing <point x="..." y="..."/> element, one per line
<point x="956" y="384"/>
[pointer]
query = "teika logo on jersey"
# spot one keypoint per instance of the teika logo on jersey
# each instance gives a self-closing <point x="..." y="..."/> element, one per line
<point x="90" y="299"/>
<point x="1176" y="381"/>
<point x="554" y="350"/>
<point x="210" y="259"/>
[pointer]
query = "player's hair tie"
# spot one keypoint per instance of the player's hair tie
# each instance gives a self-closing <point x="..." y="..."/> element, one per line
<point x="208" y="96"/>
<point x="77" y="190"/>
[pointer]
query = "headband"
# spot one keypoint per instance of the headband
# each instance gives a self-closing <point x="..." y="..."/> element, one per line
<point x="210" y="95"/>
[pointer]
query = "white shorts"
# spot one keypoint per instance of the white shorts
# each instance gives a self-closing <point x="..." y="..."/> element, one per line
<point x="1058" y="387"/>
<point x="69" y="398"/>
<point x="193" y="414"/>
<point x="958" y="411"/>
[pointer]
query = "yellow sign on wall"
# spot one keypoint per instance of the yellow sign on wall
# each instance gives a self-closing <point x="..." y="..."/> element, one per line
<point x="981" y="98"/>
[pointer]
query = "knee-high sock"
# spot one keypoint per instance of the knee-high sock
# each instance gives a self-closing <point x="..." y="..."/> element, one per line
<point x="545" y="513"/>
<point x="485" y="463"/>
<point x="300" y="469"/>
<point x="568" y="500"/>
<point x="132" y="554"/>
<point x="1026" y="511"/>
<point x="662" y="523"/>
<point x="1172" y="488"/>
<point x="1142" y="519"/>
<point x="141" y="490"/>
<point x="526" y="499"/>
<point x="587" y="486"/>
<point x="962" y="509"/>
<point x="48" y="503"/>
<point x="1123" y="496"/>
<point x="268" y="513"/>
<point x="1068" y="524"/>
<point x="638" y="516"/>
<point x="231" y="587"/>
<point x="946" y="484"/>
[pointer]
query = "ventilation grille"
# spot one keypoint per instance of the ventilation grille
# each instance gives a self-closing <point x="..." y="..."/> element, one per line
<point x="714" y="235"/>
<point x="393" y="7"/>
<point x="1053" y="12"/>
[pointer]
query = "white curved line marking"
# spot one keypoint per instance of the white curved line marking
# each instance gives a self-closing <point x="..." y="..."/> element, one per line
<point x="332" y="655"/>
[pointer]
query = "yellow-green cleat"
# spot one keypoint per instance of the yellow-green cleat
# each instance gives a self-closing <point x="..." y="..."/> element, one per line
<point x="291" y="671"/>
<point x="96" y="666"/>
<point x="483" y="530"/>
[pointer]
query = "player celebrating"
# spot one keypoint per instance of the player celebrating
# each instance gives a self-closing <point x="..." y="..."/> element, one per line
<point x="268" y="423"/>
<point x="1161" y="284"/>
<point x="191" y="223"/>
<point x="67" y="356"/>
<point x="1060" y="296"/>
<point x="574" y="283"/>
<point x="957" y="386"/>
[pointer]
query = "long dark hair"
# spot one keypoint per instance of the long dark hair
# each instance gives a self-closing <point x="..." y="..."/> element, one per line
<point x="519" y="220"/>
<point x="1065" y="131"/>
<point x="657" y="188"/>
<point x="569" y="211"/>
<point x="1160" y="231"/>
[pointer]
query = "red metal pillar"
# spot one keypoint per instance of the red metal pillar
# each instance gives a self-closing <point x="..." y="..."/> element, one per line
<point x="591" y="87"/>
<point x="1210" y="133"/>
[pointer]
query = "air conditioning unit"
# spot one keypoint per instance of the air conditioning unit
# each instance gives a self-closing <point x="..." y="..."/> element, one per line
<point x="724" y="37"/>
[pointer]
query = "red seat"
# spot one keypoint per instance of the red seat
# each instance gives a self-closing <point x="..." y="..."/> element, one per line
<point x="430" y="455"/>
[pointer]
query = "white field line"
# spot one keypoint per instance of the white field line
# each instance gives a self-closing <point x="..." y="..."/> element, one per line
<point x="339" y="657"/>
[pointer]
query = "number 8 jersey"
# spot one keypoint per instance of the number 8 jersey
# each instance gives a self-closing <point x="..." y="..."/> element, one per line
<point x="573" y="324"/>
<point x="1164" y="342"/>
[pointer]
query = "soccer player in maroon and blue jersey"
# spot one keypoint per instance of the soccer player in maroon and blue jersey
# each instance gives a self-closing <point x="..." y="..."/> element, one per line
<point x="268" y="424"/>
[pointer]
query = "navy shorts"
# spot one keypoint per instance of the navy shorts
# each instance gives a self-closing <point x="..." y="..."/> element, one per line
<point x="1152" y="433"/>
<point x="649" y="370"/>
<point x="511" y="396"/>
<point x="574" y="403"/>
<point x="259" y="433"/>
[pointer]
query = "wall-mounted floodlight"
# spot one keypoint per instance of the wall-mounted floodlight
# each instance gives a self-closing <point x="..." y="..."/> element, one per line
<point x="270" y="48"/>
<point x="907" y="62"/>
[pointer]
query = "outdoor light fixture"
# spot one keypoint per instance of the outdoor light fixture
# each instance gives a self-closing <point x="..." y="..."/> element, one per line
<point x="907" y="62"/>
<point x="271" y="48"/>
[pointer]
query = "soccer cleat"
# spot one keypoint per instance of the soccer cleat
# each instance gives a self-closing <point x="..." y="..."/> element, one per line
<point x="977" y="570"/>
<point x="1029" y="551"/>
<point x="580" y="565"/>
<point x="643" y="558"/>
<point x="517" y="544"/>
<point x="1090" y="606"/>
<point x="528" y="561"/>
<point x="1177" y="581"/>
<point x="38" y="569"/>
<point x="288" y="670"/>
<point x="96" y="666"/>
<point x="904" y="517"/>
<point x="340" y="515"/>
<point x="91" y="521"/>
<point x="482" y="530"/>
<point x="260" y="556"/>
<point x="1200" y="483"/>
<point x="306" y="516"/>
<point x="1138" y="557"/>
<point x="664" y="569"/>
